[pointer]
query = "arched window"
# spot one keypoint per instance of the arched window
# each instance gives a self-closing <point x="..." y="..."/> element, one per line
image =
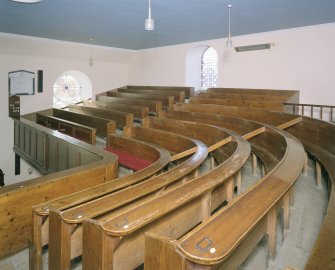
<point x="71" y="87"/>
<point x="209" y="68"/>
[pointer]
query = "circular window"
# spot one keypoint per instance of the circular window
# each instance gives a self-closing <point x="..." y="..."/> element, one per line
<point x="66" y="90"/>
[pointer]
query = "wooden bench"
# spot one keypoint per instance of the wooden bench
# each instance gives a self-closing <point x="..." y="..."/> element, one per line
<point x="318" y="139"/>
<point x="178" y="95"/>
<point x="75" y="166"/>
<point x="173" y="212"/>
<point x="102" y="125"/>
<point x="261" y="116"/>
<point x="139" y="112"/>
<point x="129" y="161"/>
<point x="159" y="158"/>
<point x="122" y="119"/>
<point x="240" y="96"/>
<point x="154" y="106"/>
<point x="274" y="106"/>
<point x="225" y="239"/>
<point x="80" y="132"/>
<point x="167" y="101"/>
<point x="189" y="91"/>
<point x="289" y="95"/>
<point x="62" y="239"/>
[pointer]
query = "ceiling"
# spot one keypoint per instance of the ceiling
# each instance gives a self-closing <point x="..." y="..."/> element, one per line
<point x="121" y="23"/>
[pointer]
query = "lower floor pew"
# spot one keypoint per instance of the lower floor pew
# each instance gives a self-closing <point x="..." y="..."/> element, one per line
<point x="157" y="156"/>
<point x="62" y="239"/>
<point x="110" y="239"/>
<point x="224" y="240"/>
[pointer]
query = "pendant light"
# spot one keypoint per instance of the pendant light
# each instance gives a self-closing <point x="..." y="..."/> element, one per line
<point x="149" y="23"/>
<point x="229" y="42"/>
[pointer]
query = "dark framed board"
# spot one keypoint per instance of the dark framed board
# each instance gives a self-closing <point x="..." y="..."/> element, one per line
<point x="21" y="82"/>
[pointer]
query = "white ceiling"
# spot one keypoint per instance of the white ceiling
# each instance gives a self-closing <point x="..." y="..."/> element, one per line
<point x="121" y="23"/>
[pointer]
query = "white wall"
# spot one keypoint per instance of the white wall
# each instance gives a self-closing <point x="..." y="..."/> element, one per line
<point x="302" y="59"/>
<point x="109" y="70"/>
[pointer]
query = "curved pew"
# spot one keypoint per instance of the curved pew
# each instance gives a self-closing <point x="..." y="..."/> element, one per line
<point x="178" y="95"/>
<point x="167" y="101"/>
<point x="189" y="91"/>
<point x="225" y="240"/>
<point x="122" y="119"/>
<point x="288" y="94"/>
<point x="267" y="105"/>
<point x="64" y="238"/>
<point x="139" y="112"/>
<point x="236" y="96"/>
<point x="154" y="106"/>
<point x="174" y="212"/>
<point x="318" y="139"/>
<point x="83" y="166"/>
<point x="160" y="158"/>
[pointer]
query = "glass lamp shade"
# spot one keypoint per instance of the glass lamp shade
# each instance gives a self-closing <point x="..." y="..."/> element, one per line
<point x="27" y="1"/>
<point x="149" y="24"/>
<point x="229" y="43"/>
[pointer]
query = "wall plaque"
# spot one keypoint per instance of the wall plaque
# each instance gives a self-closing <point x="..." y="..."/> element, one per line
<point x="14" y="106"/>
<point x="21" y="82"/>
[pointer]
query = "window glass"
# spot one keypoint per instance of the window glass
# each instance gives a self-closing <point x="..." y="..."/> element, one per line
<point x="209" y="68"/>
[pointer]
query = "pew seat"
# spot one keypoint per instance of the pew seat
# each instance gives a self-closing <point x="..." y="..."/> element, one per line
<point x="129" y="161"/>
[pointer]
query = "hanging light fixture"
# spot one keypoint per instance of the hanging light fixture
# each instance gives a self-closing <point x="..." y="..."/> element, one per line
<point x="149" y="23"/>
<point x="229" y="42"/>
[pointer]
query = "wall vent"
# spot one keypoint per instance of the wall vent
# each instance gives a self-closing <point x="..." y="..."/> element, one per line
<point x="253" y="47"/>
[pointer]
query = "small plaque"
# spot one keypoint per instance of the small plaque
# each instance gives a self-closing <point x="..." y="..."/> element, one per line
<point x="14" y="106"/>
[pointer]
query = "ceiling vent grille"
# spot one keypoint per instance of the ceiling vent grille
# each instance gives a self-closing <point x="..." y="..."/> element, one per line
<point x="253" y="47"/>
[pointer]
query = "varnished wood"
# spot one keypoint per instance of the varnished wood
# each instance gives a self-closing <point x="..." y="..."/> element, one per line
<point x="81" y="132"/>
<point x="122" y="119"/>
<point x="159" y="156"/>
<point x="189" y="91"/>
<point x="178" y="95"/>
<point x="139" y="112"/>
<point x="154" y="106"/>
<point x="103" y="126"/>
<point x="167" y="101"/>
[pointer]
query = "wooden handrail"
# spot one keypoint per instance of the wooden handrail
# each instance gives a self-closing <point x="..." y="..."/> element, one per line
<point x="296" y="110"/>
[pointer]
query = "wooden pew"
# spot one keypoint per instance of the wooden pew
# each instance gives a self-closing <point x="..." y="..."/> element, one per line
<point x="154" y="106"/>
<point x="290" y="95"/>
<point x="189" y="91"/>
<point x="157" y="155"/>
<point x="61" y="240"/>
<point x="139" y="112"/>
<point x="103" y="126"/>
<point x="167" y="101"/>
<point x="122" y="119"/>
<point x="240" y="96"/>
<point x="81" y="132"/>
<point x="83" y="166"/>
<point x="178" y="95"/>
<point x="274" y="106"/>
<point x="317" y="138"/>
<point x="262" y="116"/>
<point x="173" y="213"/>
<point x="225" y="240"/>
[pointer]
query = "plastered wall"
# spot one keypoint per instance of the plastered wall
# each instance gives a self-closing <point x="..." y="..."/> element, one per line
<point x="109" y="70"/>
<point x="301" y="59"/>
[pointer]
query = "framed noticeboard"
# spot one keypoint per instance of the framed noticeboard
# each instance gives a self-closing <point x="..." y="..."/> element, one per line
<point x="21" y="82"/>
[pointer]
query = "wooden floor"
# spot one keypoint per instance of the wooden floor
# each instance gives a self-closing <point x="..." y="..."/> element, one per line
<point x="305" y="221"/>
